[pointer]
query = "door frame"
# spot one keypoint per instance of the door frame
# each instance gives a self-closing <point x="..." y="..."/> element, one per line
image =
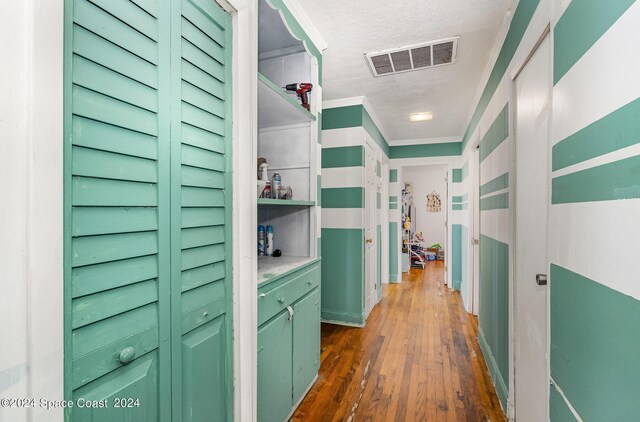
<point x="370" y="217"/>
<point x="474" y="210"/>
<point x="546" y="33"/>
<point x="244" y="17"/>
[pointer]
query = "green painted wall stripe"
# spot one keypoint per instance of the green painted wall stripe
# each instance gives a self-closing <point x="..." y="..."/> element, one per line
<point x="319" y="190"/>
<point x="459" y="175"/>
<point x="456" y="199"/>
<point x="581" y="25"/>
<point x="426" y="150"/>
<point x="495" y="202"/>
<point x="343" y="275"/>
<point x="393" y="176"/>
<point x="378" y="200"/>
<point x="494" y="308"/>
<point x="595" y="339"/>
<point x="501" y="388"/>
<point x="374" y="131"/>
<point x="460" y="207"/>
<point x="499" y="183"/>
<point x="558" y="409"/>
<point x="521" y="18"/>
<point x="393" y="206"/>
<point x="342" y="157"/>
<point x="319" y="123"/>
<point x="615" y="131"/>
<point x="497" y="133"/>
<point x="393" y="251"/>
<point x="456" y="175"/>
<point x="393" y="199"/>
<point x="456" y="255"/>
<point x="343" y="197"/>
<point x="617" y="180"/>
<point x="299" y="33"/>
<point x="378" y="168"/>
<point x="354" y="116"/>
<point x="341" y="117"/>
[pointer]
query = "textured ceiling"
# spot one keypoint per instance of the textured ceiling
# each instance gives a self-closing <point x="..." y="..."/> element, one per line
<point x="354" y="27"/>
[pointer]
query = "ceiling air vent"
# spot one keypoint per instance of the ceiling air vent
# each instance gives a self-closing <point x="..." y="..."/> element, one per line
<point x="414" y="57"/>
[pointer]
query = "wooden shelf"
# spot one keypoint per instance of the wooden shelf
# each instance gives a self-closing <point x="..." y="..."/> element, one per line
<point x="285" y="202"/>
<point x="277" y="108"/>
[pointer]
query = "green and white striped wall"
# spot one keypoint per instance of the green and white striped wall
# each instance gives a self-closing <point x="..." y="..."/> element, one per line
<point x="460" y="228"/>
<point x="595" y="209"/>
<point x="490" y="124"/>
<point x="395" y="222"/>
<point x="345" y="132"/>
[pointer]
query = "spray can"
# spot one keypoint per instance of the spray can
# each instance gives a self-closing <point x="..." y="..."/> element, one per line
<point x="267" y="190"/>
<point x="276" y="186"/>
<point x="269" y="240"/>
<point x="261" y="240"/>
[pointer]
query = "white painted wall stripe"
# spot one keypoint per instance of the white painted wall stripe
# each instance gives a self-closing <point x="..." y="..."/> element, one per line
<point x="344" y="137"/>
<point x="505" y="190"/>
<point x="343" y="177"/>
<point x="343" y="218"/>
<point x="604" y="238"/>
<point x="603" y="80"/>
<point x="497" y="163"/>
<point x="611" y="157"/>
<point x="496" y="224"/>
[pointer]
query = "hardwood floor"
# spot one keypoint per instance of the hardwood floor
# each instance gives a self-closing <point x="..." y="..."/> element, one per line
<point x="417" y="359"/>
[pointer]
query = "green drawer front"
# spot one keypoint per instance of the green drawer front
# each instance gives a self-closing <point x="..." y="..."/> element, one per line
<point x="285" y="294"/>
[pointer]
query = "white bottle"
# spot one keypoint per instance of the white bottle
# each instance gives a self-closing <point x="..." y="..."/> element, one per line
<point x="264" y="176"/>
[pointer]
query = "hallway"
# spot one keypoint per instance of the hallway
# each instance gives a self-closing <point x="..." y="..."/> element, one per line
<point x="417" y="359"/>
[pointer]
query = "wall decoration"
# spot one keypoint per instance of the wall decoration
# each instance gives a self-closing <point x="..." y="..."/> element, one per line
<point x="434" y="204"/>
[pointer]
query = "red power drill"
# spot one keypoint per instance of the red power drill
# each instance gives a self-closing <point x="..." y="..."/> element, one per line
<point x="302" y="89"/>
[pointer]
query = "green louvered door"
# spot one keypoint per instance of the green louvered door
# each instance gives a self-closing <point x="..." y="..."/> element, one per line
<point x="147" y="210"/>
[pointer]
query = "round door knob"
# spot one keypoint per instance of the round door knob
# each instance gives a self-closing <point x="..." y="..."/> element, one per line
<point x="127" y="355"/>
<point x="309" y="282"/>
<point x="281" y="299"/>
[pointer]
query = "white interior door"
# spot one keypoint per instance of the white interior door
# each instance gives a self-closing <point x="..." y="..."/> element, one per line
<point x="533" y="97"/>
<point x="370" y="279"/>
<point x="474" y="294"/>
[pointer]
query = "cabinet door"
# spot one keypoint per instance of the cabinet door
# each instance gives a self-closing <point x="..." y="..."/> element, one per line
<point x="306" y="343"/>
<point x="148" y="209"/>
<point x="274" y="369"/>
<point x="116" y="295"/>
<point x="201" y="211"/>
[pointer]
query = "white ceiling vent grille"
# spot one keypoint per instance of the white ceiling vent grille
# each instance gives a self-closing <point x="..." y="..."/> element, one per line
<point x="414" y="57"/>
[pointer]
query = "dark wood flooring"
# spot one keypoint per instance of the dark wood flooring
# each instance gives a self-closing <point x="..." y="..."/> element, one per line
<point x="417" y="359"/>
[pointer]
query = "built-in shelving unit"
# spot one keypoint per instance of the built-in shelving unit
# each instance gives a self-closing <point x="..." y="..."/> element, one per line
<point x="288" y="353"/>
<point x="287" y="139"/>
<point x="277" y="108"/>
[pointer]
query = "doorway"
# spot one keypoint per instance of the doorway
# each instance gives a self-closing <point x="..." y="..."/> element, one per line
<point x="370" y="235"/>
<point x="474" y="285"/>
<point x="531" y="190"/>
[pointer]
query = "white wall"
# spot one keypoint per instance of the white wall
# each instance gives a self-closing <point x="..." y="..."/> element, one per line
<point x="31" y="213"/>
<point x="427" y="179"/>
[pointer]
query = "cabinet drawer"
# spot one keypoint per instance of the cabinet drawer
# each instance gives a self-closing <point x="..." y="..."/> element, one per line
<point x="272" y="301"/>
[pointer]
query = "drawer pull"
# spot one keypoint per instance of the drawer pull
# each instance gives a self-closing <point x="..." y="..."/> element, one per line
<point x="290" y="309"/>
<point x="126" y="355"/>
<point x="281" y="300"/>
<point x="262" y="295"/>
